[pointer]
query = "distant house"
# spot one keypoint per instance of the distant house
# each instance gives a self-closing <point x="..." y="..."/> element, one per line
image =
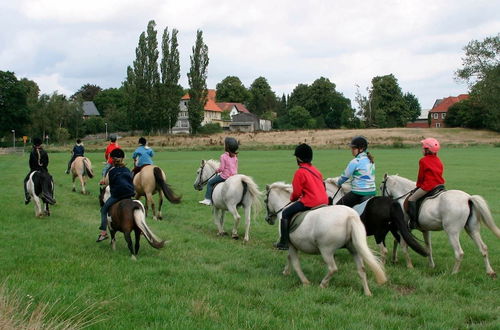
<point x="422" y="121"/>
<point x="248" y="122"/>
<point x="211" y="114"/>
<point x="440" y="108"/>
<point x="233" y="108"/>
<point x="89" y="110"/>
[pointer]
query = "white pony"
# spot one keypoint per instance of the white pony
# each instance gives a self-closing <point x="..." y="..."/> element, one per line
<point x="237" y="190"/>
<point x="323" y="231"/>
<point x="40" y="186"/>
<point x="451" y="211"/>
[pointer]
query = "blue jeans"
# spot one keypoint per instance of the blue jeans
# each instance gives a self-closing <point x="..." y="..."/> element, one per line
<point x="210" y="185"/>
<point x="104" y="212"/>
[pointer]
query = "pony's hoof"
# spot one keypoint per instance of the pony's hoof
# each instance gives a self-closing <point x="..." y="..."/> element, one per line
<point x="235" y="236"/>
<point x="492" y="275"/>
<point x="133" y="258"/>
<point x="222" y="233"/>
<point x="306" y="283"/>
<point x="323" y="285"/>
<point x="73" y="190"/>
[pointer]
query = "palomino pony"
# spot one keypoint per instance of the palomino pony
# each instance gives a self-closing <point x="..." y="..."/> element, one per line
<point x="149" y="181"/>
<point x="450" y="211"/>
<point x="81" y="168"/>
<point x="237" y="190"/>
<point x="40" y="186"/>
<point x="380" y="215"/>
<point x="126" y="216"/>
<point x="323" y="231"/>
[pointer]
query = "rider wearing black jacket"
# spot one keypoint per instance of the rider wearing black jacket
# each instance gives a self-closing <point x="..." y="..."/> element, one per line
<point x="39" y="160"/>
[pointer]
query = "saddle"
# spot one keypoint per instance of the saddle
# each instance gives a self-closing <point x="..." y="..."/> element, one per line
<point x="299" y="217"/>
<point x="438" y="190"/>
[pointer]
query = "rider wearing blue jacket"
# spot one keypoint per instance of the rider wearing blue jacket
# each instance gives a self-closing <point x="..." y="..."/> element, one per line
<point x="142" y="156"/>
<point x="78" y="151"/>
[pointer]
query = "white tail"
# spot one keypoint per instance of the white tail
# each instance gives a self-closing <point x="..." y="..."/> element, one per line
<point x="88" y="167"/>
<point x="358" y="237"/>
<point x="140" y="221"/>
<point x="254" y="192"/>
<point x="484" y="213"/>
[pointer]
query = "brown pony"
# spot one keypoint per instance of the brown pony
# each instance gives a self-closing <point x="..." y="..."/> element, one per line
<point x="81" y="167"/>
<point x="149" y="181"/>
<point x="126" y="216"/>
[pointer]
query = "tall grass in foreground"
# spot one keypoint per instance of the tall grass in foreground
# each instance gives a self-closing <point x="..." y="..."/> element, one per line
<point x="203" y="281"/>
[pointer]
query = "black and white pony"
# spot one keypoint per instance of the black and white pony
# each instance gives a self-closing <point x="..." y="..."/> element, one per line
<point x="40" y="187"/>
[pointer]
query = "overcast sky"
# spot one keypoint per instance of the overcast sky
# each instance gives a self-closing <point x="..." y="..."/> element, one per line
<point x="62" y="45"/>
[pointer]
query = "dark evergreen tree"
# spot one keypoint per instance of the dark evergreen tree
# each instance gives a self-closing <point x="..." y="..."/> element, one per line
<point x="197" y="77"/>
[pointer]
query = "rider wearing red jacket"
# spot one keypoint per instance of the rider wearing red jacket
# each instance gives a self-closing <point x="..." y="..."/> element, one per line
<point x="308" y="191"/>
<point x="430" y="175"/>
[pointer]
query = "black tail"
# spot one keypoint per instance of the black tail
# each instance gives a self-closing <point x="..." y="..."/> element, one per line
<point x="398" y="218"/>
<point x="167" y="191"/>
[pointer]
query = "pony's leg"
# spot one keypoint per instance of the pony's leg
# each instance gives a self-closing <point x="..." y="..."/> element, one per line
<point x="395" y="252"/>
<point x="82" y="183"/>
<point x="293" y="255"/>
<point x="113" y="238"/>
<point x="129" y="243"/>
<point x="74" y="187"/>
<point x="383" y="252"/>
<point x="47" y="211"/>
<point x="361" y="269"/>
<point x="428" y="244"/>
<point x="248" y="211"/>
<point x="286" y="270"/>
<point x="454" y="238"/>
<point x="38" y="206"/>
<point x="332" y="266"/>
<point x="137" y="239"/>
<point x="474" y="233"/>
<point x="218" y="215"/>
<point x="150" y="201"/>
<point x="236" y="216"/>
<point x="404" y="248"/>
<point x="380" y="235"/>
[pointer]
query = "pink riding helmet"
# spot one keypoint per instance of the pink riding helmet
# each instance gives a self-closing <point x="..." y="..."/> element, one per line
<point x="430" y="143"/>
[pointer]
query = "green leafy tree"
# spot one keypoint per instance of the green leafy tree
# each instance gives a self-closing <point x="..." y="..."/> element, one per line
<point x="414" y="108"/>
<point x="466" y="113"/>
<point x="388" y="106"/>
<point x="197" y="78"/>
<point x="262" y="99"/>
<point x="300" y="118"/>
<point x="87" y="92"/>
<point x="14" y="110"/>
<point x="170" y="90"/>
<point x="111" y="98"/>
<point x="231" y="89"/>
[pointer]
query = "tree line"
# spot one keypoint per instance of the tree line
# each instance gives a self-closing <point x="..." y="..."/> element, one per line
<point x="148" y="99"/>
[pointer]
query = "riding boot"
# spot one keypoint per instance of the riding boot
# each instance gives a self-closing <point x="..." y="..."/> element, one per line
<point x="27" y="196"/>
<point x="412" y="213"/>
<point x="283" y="243"/>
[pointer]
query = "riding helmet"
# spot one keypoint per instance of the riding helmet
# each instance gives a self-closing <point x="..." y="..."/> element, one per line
<point x="231" y="144"/>
<point x="142" y="141"/>
<point x="304" y="152"/>
<point x="37" y="142"/>
<point x="112" y="137"/>
<point x="430" y="143"/>
<point x="359" y="142"/>
<point x="117" y="153"/>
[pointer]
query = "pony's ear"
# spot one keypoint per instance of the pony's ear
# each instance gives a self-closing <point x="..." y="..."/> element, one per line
<point x="385" y="175"/>
<point x="267" y="187"/>
<point x="202" y="162"/>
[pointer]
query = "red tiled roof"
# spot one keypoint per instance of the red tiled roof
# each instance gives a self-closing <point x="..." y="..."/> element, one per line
<point x="227" y="106"/>
<point x="444" y="104"/>
<point x="210" y="105"/>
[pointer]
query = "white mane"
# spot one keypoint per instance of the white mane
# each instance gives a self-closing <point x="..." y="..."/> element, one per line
<point x="281" y="186"/>
<point x="212" y="163"/>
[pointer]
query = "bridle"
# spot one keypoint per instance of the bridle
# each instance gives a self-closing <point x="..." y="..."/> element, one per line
<point x="385" y="193"/>
<point x="270" y="214"/>
<point x="200" y="175"/>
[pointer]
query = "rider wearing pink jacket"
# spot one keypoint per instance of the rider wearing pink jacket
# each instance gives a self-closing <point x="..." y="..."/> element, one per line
<point x="228" y="167"/>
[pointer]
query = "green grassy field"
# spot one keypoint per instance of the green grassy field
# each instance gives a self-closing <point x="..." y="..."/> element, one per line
<point x="200" y="280"/>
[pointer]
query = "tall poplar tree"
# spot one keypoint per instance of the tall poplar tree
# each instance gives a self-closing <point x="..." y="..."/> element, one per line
<point x="170" y="90"/>
<point x="197" y="77"/>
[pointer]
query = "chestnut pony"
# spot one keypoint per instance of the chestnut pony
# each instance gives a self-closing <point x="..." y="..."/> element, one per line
<point x="81" y="168"/>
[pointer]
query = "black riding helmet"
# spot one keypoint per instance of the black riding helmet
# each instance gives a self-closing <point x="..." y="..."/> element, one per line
<point x="304" y="152"/>
<point x="359" y="142"/>
<point x="112" y="137"/>
<point x="37" y="141"/>
<point x="142" y="141"/>
<point x="117" y="153"/>
<point x="231" y="144"/>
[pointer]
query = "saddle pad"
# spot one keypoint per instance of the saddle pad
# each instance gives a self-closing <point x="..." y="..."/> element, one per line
<point x="360" y="208"/>
<point x="299" y="217"/>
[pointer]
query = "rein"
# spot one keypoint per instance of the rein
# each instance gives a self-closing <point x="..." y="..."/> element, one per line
<point x="201" y="175"/>
<point x="384" y="191"/>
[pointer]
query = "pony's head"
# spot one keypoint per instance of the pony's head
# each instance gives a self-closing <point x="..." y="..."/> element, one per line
<point x="276" y="194"/>
<point x="395" y="185"/>
<point x="204" y="173"/>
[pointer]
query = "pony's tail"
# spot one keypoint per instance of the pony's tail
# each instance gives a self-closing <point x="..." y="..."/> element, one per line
<point x="398" y="218"/>
<point x="484" y="213"/>
<point x="167" y="191"/>
<point x="254" y="192"/>
<point x="88" y="168"/>
<point x="358" y="237"/>
<point x="140" y="221"/>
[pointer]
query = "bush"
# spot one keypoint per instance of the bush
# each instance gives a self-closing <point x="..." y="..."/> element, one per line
<point x="210" y="128"/>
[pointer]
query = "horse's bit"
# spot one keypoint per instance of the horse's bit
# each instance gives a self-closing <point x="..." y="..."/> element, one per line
<point x="201" y="175"/>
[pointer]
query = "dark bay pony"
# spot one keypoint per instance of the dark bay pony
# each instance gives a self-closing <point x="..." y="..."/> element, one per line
<point x="381" y="215"/>
<point x="126" y="216"/>
<point x="81" y="168"/>
<point x="149" y="181"/>
<point x="40" y="186"/>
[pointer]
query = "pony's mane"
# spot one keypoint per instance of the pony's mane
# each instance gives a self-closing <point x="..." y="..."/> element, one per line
<point x="212" y="163"/>
<point x="281" y="186"/>
<point x="333" y="181"/>
<point x="403" y="179"/>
